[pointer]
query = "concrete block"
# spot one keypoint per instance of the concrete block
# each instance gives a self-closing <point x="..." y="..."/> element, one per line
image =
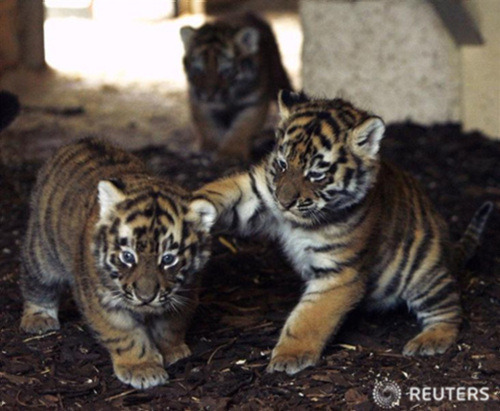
<point x="481" y="73"/>
<point x="394" y="58"/>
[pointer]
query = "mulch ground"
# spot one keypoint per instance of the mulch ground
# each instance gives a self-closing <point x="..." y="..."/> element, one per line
<point x="247" y="293"/>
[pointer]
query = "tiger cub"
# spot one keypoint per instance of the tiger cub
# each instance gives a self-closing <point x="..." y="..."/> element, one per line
<point x="129" y="246"/>
<point x="234" y="71"/>
<point x="352" y="226"/>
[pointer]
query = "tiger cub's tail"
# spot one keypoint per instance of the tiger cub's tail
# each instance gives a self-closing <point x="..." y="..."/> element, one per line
<point x="467" y="245"/>
<point x="9" y="108"/>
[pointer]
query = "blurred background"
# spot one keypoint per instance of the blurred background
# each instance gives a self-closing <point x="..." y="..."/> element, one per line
<point x="114" y="67"/>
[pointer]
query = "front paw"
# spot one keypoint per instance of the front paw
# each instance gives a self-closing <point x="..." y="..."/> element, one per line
<point x="291" y="360"/>
<point x="39" y="323"/>
<point x="141" y="375"/>
<point x="173" y="354"/>
<point x="432" y="341"/>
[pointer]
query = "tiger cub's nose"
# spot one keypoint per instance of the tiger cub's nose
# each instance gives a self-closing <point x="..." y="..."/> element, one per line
<point x="146" y="294"/>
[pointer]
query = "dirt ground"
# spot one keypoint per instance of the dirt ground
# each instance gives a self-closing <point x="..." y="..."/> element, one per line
<point x="247" y="293"/>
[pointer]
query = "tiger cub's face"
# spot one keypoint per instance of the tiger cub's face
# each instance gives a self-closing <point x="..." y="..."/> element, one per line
<point x="221" y="62"/>
<point x="149" y="247"/>
<point x="326" y="157"/>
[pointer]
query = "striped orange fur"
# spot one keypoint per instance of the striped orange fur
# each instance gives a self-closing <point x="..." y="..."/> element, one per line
<point x="353" y="226"/>
<point x="127" y="244"/>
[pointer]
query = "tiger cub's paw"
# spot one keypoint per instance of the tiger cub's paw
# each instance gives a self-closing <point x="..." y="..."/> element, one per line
<point x="39" y="321"/>
<point x="432" y="341"/>
<point x="141" y="375"/>
<point x="173" y="354"/>
<point x="291" y="361"/>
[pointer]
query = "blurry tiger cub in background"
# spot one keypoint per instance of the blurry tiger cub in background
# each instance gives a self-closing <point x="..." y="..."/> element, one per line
<point x="130" y="248"/>
<point x="352" y="226"/>
<point x="234" y="71"/>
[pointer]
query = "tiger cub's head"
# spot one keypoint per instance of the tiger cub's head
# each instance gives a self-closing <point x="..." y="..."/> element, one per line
<point x="149" y="244"/>
<point x="221" y="61"/>
<point x="325" y="159"/>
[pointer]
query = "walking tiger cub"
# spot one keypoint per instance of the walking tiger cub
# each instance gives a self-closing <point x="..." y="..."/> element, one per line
<point x="352" y="226"/>
<point x="234" y="71"/>
<point x="130" y="248"/>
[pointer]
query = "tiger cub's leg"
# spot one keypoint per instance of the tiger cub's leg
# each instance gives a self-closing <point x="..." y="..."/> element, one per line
<point x="436" y="302"/>
<point x="318" y="314"/>
<point x="169" y="334"/>
<point x="136" y="360"/>
<point x="41" y="298"/>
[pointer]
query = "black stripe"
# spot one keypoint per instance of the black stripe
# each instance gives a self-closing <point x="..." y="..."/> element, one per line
<point x="321" y="271"/>
<point x="422" y="250"/>
<point x="235" y="217"/>
<point x="325" y="141"/>
<point x="143" y="351"/>
<point x="184" y="234"/>
<point x="326" y="248"/>
<point x="131" y="217"/>
<point x="112" y="340"/>
<point x="170" y="201"/>
<point x="396" y="279"/>
<point x="120" y="351"/>
<point x="431" y="301"/>
<point x="128" y="204"/>
<point x="164" y="213"/>
<point x="253" y="185"/>
<point x="349" y="173"/>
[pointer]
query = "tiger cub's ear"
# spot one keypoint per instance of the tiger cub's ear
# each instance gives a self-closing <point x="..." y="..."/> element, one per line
<point x="202" y="213"/>
<point x="287" y="100"/>
<point x="365" y="138"/>
<point x="247" y="39"/>
<point x="110" y="194"/>
<point x="187" y="33"/>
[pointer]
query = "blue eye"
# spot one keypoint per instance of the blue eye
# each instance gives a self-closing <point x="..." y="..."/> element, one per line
<point x="168" y="260"/>
<point x="127" y="257"/>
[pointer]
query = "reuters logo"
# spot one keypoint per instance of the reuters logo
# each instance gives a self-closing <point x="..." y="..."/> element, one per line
<point x="386" y="394"/>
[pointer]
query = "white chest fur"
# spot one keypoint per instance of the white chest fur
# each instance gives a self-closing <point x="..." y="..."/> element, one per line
<point x="299" y="244"/>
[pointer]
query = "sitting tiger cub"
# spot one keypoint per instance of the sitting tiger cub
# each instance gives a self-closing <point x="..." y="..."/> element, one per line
<point x="234" y="71"/>
<point x="129" y="246"/>
<point x="352" y="226"/>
